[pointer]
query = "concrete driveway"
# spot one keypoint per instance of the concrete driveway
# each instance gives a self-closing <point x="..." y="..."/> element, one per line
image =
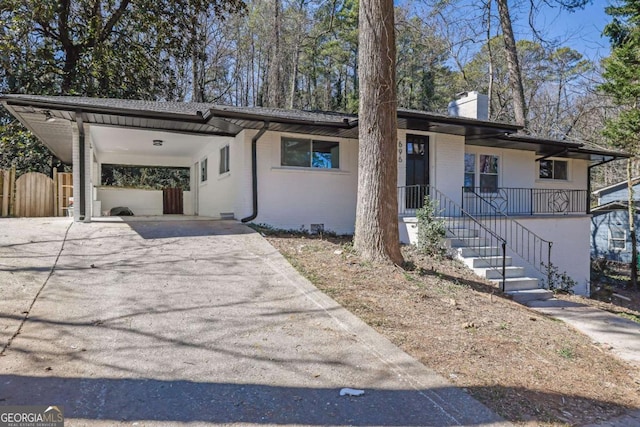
<point x="198" y="323"/>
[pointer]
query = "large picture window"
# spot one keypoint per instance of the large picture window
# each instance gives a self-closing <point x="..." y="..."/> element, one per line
<point x="310" y="153"/>
<point x="553" y="169"/>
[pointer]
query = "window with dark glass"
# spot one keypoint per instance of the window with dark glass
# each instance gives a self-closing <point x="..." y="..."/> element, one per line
<point x="203" y="170"/>
<point x="488" y="172"/>
<point x="553" y="169"/>
<point x="469" y="171"/>
<point x="224" y="159"/>
<point x="310" y="153"/>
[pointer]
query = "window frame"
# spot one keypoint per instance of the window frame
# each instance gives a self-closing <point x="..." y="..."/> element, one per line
<point x="310" y="152"/>
<point x="472" y="172"/>
<point x="204" y="170"/>
<point x="612" y="239"/>
<point x="224" y="166"/>
<point x="478" y="173"/>
<point x="553" y="170"/>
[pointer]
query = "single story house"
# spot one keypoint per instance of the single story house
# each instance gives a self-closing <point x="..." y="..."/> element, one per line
<point x="610" y="237"/>
<point x="298" y="169"/>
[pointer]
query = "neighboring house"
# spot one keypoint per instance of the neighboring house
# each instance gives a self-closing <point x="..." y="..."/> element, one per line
<point x="610" y="237"/>
<point x="298" y="169"/>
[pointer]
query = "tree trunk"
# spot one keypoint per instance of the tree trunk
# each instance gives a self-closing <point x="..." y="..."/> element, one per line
<point x="490" y="51"/>
<point x="294" y="78"/>
<point x="377" y="237"/>
<point x="70" y="69"/>
<point x="515" y="75"/>
<point x="632" y="226"/>
<point x="274" y="90"/>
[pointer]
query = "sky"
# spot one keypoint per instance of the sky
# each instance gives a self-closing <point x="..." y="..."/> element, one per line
<point x="581" y="30"/>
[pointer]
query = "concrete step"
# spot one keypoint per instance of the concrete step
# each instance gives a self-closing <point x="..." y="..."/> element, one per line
<point x="461" y="242"/>
<point x="517" y="283"/>
<point x="529" y="295"/>
<point x="461" y="232"/>
<point x="492" y="273"/>
<point x="489" y="261"/>
<point x="479" y="251"/>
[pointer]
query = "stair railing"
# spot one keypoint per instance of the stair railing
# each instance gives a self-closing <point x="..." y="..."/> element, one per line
<point x="530" y="247"/>
<point x="457" y="222"/>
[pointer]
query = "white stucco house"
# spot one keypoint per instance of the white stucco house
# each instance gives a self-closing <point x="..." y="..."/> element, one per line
<point x="298" y="170"/>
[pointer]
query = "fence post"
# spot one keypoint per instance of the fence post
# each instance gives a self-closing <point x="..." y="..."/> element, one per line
<point x="55" y="191"/>
<point x="5" y="193"/>
<point x="12" y="191"/>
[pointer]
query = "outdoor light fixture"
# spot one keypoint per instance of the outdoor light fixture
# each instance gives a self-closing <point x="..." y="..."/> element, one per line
<point x="157" y="143"/>
<point x="48" y="117"/>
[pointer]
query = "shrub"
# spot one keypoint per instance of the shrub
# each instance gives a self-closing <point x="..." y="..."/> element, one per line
<point x="556" y="281"/>
<point x="431" y="229"/>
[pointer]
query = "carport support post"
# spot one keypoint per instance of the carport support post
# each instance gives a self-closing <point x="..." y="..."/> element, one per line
<point x="81" y="172"/>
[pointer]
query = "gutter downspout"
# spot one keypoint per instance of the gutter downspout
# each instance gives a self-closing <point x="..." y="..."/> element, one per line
<point x="254" y="171"/>
<point x="81" y="153"/>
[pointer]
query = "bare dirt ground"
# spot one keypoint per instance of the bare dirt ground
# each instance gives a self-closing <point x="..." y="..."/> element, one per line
<point x="531" y="369"/>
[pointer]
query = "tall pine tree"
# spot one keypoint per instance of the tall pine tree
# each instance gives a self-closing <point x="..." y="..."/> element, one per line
<point x="622" y="74"/>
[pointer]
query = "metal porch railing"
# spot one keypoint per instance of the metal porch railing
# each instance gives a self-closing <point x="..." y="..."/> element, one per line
<point x="457" y="222"/>
<point x="494" y="212"/>
<point x="525" y="201"/>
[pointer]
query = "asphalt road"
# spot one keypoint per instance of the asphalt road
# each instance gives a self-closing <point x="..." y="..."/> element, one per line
<point x="198" y="323"/>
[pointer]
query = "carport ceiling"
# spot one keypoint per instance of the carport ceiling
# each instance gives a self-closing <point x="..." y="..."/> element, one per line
<point x="139" y="142"/>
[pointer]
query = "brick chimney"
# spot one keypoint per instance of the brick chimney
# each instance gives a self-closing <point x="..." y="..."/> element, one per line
<point x="472" y="104"/>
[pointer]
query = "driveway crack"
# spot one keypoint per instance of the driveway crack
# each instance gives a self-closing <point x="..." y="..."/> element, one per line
<point x="35" y="298"/>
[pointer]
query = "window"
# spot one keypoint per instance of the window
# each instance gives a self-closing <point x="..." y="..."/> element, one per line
<point x="469" y="171"/>
<point x="203" y="170"/>
<point x="224" y="159"/>
<point x="309" y="153"/>
<point x="553" y="169"/>
<point x="488" y="173"/>
<point x="617" y="239"/>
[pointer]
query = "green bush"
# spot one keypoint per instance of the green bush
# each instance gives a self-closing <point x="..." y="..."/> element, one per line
<point x="431" y="229"/>
<point x="556" y="281"/>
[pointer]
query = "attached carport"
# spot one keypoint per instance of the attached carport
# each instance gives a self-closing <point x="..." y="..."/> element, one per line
<point x="88" y="132"/>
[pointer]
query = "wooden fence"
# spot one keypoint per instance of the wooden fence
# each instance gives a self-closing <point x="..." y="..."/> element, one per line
<point x="34" y="194"/>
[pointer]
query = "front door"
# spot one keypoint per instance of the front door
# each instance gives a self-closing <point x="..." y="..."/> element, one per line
<point x="417" y="180"/>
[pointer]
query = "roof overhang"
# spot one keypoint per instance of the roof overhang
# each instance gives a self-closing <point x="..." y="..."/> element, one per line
<point x="214" y="120"/>
<point x="470" y="128"/>
<point x="545" y="148"/>
<point x="51" y="118"/>
<point x="618" y="205"/>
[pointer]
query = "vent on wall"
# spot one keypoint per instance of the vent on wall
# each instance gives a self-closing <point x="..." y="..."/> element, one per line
<point x="226" y="215"/>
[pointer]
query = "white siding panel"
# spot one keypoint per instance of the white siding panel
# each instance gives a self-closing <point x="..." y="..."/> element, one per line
<point x="217" y="194"/>
<point x="295" y="198"/>
<point x="141" y="202"/>
<point x="448" y="161"/>
<point x="570" y="251"/>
